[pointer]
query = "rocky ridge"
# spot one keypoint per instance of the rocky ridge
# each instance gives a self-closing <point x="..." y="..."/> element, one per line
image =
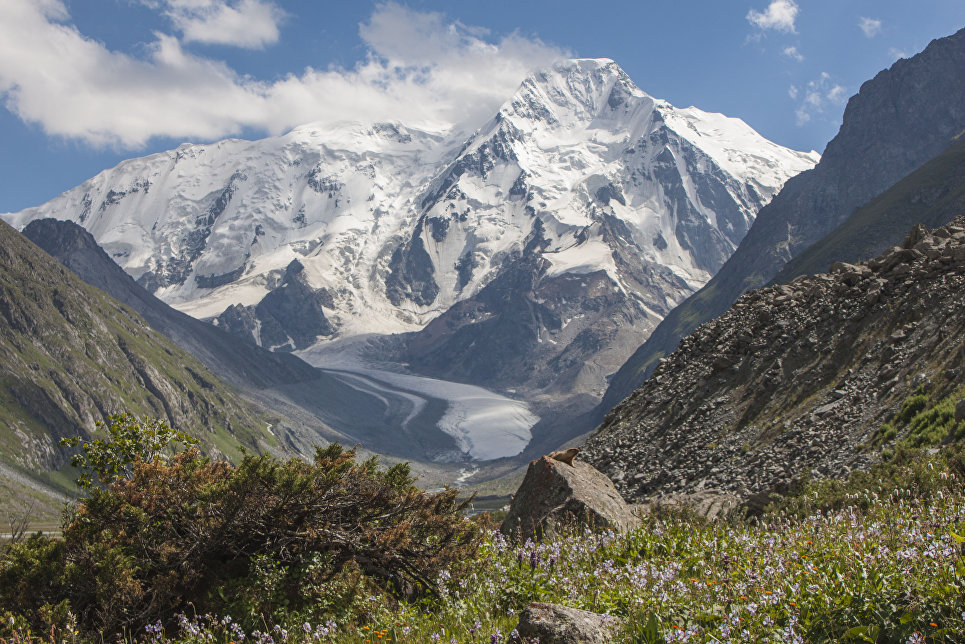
<point x="795" y="379"/>
<point x="899" y="120"/>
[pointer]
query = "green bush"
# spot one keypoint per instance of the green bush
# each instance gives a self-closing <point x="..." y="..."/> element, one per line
<point x="266" y="540"/>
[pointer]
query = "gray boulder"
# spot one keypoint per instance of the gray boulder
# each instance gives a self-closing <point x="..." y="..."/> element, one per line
<point x="554" y="624"/>
<point x="706" y="504"/>
<point x="960" y="410"/>
<point x="554" y="493"/>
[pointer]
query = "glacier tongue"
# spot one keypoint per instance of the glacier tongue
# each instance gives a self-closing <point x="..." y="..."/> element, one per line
<point x="562" y="230"/>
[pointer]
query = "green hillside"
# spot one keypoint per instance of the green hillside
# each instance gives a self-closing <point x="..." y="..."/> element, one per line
<point x="73" y="356"/>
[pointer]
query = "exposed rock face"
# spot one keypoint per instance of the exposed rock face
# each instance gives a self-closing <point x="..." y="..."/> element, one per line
<point x="554" y="493"/>
<point x="796" y="378"/>
<point x="555" y="624"/>
<point x="899" y="120"/>
<point x="289" y="317"/>
<point x="932" y="195"/>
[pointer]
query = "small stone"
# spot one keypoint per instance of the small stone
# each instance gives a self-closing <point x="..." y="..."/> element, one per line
<point x="555" y="624"/>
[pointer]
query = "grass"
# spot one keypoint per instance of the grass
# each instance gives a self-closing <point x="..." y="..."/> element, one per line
<point x="860" y="565"/>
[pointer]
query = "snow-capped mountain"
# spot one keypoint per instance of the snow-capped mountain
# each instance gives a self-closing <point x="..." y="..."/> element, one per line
<point x="584" y="201"/>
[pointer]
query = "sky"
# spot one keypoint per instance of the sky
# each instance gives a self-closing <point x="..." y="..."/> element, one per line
<point x="85" y="84"/>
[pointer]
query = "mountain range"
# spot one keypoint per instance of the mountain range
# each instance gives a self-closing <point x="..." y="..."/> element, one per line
<point x="414" y="270"/>
<point x="529" y="257"/>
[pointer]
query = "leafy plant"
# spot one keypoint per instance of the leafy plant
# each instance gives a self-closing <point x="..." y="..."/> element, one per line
<point x="129" y="441"/>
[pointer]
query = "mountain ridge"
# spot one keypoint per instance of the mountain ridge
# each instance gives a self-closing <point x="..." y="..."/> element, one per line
<point x="73" y="356"/>
<point x="900" y="119"/>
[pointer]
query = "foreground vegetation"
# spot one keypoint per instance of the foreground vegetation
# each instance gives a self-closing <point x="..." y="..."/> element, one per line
<point x="337" y="551"/>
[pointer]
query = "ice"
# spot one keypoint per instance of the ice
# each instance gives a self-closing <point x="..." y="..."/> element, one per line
<point x="485" y="424"/>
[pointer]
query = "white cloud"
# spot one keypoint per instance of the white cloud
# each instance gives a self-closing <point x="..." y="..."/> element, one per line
<point x="897" y="54"/>
<point x="793" y="54"/>
<point x="870" y="26"/>
<point x="819" y="96"/>
<point x="421" y="70"/>
<point x="779" y="15"/>
<point x="242" y="23"/>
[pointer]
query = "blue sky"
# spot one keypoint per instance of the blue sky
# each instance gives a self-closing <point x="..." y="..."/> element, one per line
<point x="87" y="83"/>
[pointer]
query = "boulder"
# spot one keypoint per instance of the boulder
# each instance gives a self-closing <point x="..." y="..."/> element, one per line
<point x="554" y="493"/>
<point x="554" y="624"/>
<point x="960" y="410"/>
<point x="707" y="504"/>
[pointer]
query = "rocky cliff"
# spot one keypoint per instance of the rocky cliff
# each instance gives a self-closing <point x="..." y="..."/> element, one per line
<point x="903" y="117"/>
<point x="797" y="379"/>
<point x="932" y="195"/>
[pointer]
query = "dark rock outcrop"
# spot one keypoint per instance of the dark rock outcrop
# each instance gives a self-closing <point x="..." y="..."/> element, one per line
<point x="289" y="317"/>
<point x="554" y="494"/>
<point x="899" y="120"/>
<point x="555" y="624"/>
<point x="796" y="379"/>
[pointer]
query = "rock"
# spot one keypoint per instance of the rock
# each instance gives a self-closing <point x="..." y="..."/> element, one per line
<point x="554" y="493"/>
<point x="960" y="410"/>
<point x="554" y="624"/>
<point x="707" y="504"/>
<point x="917" y="234"/>
<point x="822" y="366"/>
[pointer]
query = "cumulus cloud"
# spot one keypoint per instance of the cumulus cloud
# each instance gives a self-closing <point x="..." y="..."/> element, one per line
<point x="421" y="69"/>
<point x="793" y="54"/>
<point x="779" y="15"/>
<point x="251" y="24"/>
<point x="818" y="97"/>
<point x="870" y="26"/>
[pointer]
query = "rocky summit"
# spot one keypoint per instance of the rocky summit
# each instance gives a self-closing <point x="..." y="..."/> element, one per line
<point x="796" y="380"/>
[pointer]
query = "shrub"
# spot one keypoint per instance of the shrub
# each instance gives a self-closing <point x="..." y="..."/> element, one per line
<point x="130" y="440"/>
<point x="268" y="538"/>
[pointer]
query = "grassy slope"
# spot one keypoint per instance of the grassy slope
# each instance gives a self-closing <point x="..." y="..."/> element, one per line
<point x="73" y="355"/>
